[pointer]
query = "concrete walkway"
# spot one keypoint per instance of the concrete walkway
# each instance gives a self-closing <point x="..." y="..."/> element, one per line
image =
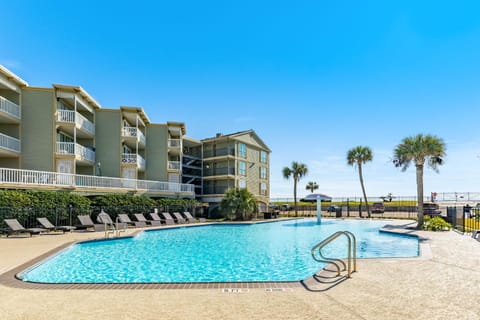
<point x="443" y="284"/>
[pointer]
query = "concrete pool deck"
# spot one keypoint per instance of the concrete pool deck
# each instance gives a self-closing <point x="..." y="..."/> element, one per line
<point x="442" y="284"/>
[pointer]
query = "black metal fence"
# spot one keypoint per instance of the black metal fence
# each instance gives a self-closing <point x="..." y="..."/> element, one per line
<point x="345" y="211"/>
<point x="464" y="219"/>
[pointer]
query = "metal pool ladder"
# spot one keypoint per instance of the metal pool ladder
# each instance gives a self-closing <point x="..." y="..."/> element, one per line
<point x="352" y="253"/>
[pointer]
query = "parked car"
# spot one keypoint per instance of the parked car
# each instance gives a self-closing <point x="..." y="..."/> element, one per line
<point x="333" y="208"/>
<point x="378" y="207"/>
<point x="273" y="206"/>
<point x="431" y="209"/>
<point x="286" y="207"/>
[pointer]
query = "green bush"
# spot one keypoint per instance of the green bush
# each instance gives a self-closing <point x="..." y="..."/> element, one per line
<point x="114" y="204"/>
<point x="435" y="224"/>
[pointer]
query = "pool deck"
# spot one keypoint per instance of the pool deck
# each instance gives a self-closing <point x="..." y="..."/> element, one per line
<point x="444" y="283"/>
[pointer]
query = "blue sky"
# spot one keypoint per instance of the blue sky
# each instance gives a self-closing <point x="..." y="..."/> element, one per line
<point x="312" y="78"/>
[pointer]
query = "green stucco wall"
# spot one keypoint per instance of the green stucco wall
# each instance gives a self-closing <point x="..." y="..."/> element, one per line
<point x="38" y="129"/>
<point x="157" y="152"/>
<point x="108" y="141"/>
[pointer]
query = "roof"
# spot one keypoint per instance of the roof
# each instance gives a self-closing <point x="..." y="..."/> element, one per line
<point x="138" y="110"/>
<point x="12" y="77"/>
<point x="77" y="89"/>
<point x="177" y="124"/>
<point x="237" y="134"/>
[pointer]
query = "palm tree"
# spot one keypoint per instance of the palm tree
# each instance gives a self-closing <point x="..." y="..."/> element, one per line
<point x="239" y="204"/>
<point x="419" y="149"/>
<point x="359" y="156"/>
<point x="311" y="185"/>
<point x="297" y="171"/>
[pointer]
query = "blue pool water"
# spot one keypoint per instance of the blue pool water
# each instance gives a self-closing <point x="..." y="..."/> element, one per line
<point x="278" y="251"/>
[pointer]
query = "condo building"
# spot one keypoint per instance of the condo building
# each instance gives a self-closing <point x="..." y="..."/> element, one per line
<point x="61" y="138"/>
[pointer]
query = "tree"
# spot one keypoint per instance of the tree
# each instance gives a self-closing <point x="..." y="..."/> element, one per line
<point x="358" y="156"/>
<point x="239" y="204"/>
<point x="419" y="149"/>
<point x="312" y="186"/>
<point x="297" y="171"/>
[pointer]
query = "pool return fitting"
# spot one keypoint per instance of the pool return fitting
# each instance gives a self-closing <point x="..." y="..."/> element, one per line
<point x="338" y="263"/>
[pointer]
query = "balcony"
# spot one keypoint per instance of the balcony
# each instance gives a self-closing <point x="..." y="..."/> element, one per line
<point x="174" y="143"/>
<point x="71" y="148"/>
<point x="133" y="158"/>
<point x="215" y="190"/>
<point x="133" y="132"/>
<point x="9" y="108"/>
<point x="218" y="153"/>
<point x="14" y="178"/>
<point x="174" y="165"/>
<point x="72" y="117"/>
<point x="218" y="172"/>
<point x="9" y="143"/>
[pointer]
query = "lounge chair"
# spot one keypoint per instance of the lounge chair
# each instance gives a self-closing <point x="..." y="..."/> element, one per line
<point x="50" y="227"/>
<point x="141" y="218"/>
<point x="87" y="223"/>
<point x="106" y="220"/>
<point x="124" y="218"/>
<point x="168" y="218"/>
<point x="189" y="217"/>
<point x="179" y="217"/>
<point x="156" y="217"/>
<point x="16" y="227"/>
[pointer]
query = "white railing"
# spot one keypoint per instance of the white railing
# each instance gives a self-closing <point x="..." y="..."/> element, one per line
<point x="45" y="178"/>
<point x="174" y="165"/>
<point x="9" y="143"/>
<point x="70" y="116"/>
<point x="133" y="132"/>
<point x="137" y="159"/>
<point x="9" y="107"/>
<point x="76" y="149"/>
<point x="174" y="143"/>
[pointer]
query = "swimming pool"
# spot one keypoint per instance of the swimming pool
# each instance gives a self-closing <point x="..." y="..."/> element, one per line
<point x="278" y="251"/>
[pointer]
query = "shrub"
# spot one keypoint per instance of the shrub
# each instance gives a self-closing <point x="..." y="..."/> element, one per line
<point x="436" y="224"/>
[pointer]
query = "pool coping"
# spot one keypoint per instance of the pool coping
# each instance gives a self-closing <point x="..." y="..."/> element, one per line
<point x="11" y="277"/>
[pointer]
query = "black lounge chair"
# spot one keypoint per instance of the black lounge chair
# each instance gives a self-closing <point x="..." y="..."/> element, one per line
<point x="156" y="217"/>
<point x="16" y="227"/>
<point x="141" y="218"/>
<point x="50" y="227"/>
<point x="87" y="223"/>
<point x="179" y="217"/>
<point x="107" y="221"/>
<point x="168" y="218"/>
<point x="124" y="218"/>
<point x="189" y="217"/>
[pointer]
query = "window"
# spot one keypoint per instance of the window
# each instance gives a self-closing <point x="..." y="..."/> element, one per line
<point x="242" y="184"/>
<point x="242" y="150"/>
<point x="263" y="173"/>
<point x="242" y="168"/>
<point x="263" y="156"/>
<point x="263" y="188"/>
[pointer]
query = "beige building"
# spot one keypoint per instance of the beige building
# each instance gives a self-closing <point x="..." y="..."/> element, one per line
<point x="60" y="138"/>
<point x="237" y="160"/>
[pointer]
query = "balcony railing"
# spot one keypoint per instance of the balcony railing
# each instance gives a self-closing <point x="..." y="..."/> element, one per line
<point x="9" y="107"/>
<point x="9" y="143"/>
<point x="76" y="149"/>
<point x="134" y="133"/>
<point x="218" y="172"/>
<point x="70" y="116"/>
<point x="215" y="190"/>
<point x="19" y="178"/>
<point x="174" y="143"/>
<point x="174" y="165"/>
<point x="218" y="152"/>
<point x="133" y="158"/>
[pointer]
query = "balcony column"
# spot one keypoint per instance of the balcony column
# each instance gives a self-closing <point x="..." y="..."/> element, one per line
<point x="75" y="134"/>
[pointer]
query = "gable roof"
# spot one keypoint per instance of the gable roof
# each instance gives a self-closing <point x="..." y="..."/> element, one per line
<point x="234" y="135"/>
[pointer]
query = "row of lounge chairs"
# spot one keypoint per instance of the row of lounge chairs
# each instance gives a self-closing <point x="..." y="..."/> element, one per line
<point x="104" y="221"/>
